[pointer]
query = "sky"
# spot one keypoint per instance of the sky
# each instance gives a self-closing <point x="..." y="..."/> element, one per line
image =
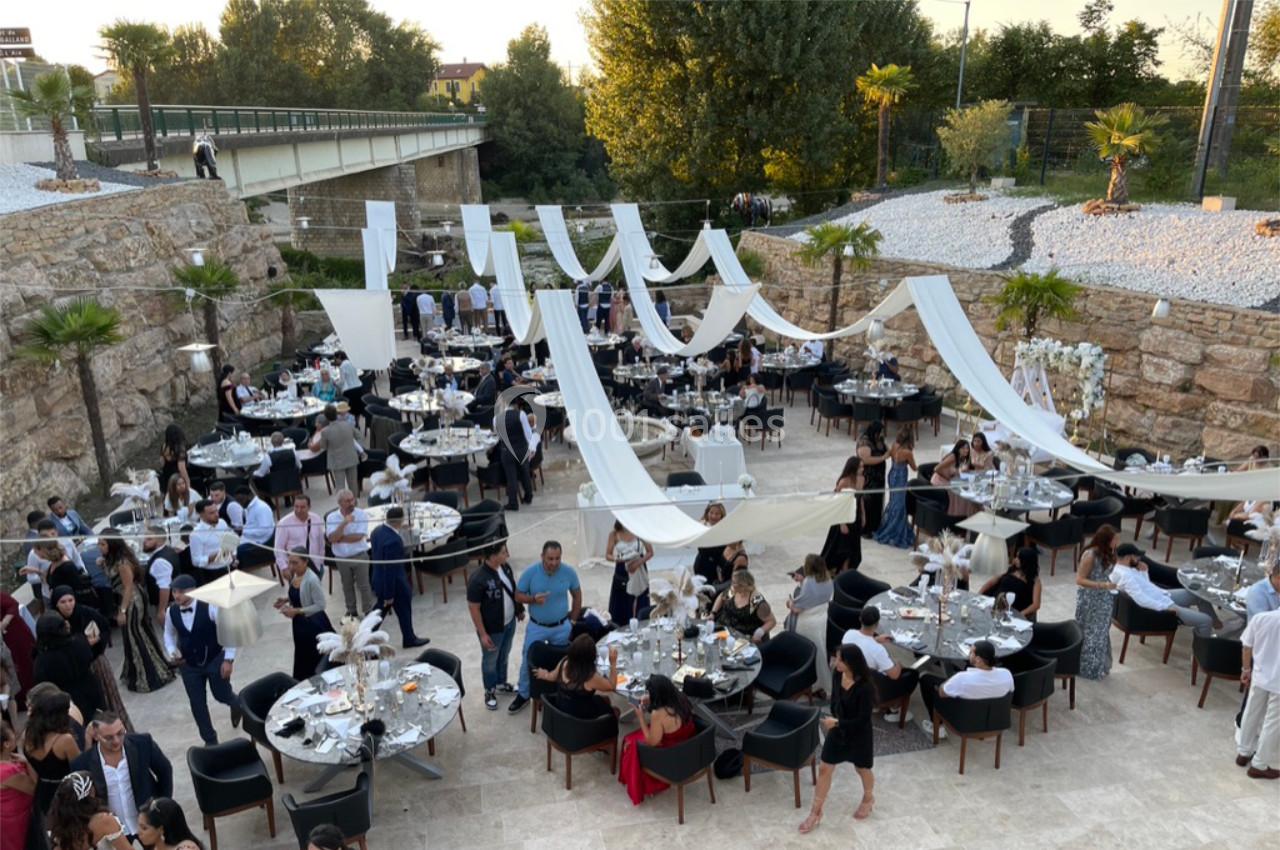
<point x="478" y="30"/>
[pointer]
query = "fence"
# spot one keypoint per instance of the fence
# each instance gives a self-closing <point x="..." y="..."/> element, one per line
<point x="122" y="122"/>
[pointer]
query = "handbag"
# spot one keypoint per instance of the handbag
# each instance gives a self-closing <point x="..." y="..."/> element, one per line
<point x="638" y="581"/>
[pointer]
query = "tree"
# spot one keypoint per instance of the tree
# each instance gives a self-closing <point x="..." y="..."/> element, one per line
<point x="856" y="244"/>
<point x="883" y="88"/>
<point x="51" y="98"/>
<point x="1121" y="133"/>
<point x="975" y="136"/>
<point x="1027" y="299"/>
<point x="138" y="48"/>
<point x="78" y="330"/>
<point x="210" y="282"/>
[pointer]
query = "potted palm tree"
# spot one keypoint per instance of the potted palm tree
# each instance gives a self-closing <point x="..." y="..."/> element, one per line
<point x="211" y="280"/>
<point x="77" y="329"/>
<point x="52" y="98"/>
<point x="138" y="48"/>
<point x="1027" y="299"/>
<point x="1120" y="134"/>
<point x="855" y="244"/>
<point x="883" y="88"/>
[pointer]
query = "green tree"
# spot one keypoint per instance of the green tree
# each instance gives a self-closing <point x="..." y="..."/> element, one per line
<point x="975" y="136"/>
<point x="138" y="48"/>
<point x="1027" y="299"/>
<point x="51" y="98"/>
<point x="854" y="244"/>
<point x="209" y="282"/>
<point x="883" y="88"/>
<point x="1121" y="133"/>
<point x="78" y="330"/>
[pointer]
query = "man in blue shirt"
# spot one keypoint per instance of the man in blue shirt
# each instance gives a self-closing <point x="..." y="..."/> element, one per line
<point x="390" y="583"/>
<point x="1264" y="595"/>
<point x="554" y="599"/>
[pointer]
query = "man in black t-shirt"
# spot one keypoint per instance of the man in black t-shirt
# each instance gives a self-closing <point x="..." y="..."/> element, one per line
<point x="494" y="612"/>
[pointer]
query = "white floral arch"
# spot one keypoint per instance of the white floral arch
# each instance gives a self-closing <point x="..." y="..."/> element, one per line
<point x="1084" y="361"/>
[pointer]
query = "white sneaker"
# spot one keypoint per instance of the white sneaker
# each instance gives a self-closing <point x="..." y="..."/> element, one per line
<point x="892" y="717"/>
<point x="927" y="726"/>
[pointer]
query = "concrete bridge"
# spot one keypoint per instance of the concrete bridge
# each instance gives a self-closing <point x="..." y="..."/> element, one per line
<point x="329" y="160"/>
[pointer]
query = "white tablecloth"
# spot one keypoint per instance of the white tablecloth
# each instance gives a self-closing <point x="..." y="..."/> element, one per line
<point x="595" y="520"/>
<point x="717" y="458"/>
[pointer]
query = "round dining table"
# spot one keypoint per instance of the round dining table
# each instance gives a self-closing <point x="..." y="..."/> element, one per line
<point x="1222" y="581"/>
<point x="642" y="372"/>
<point x="424" y="401"/>
<point x="911" y="621"/>
<point x="1013" y="496"/>
<point x="540" y="374"/>
<point x="552" y="399"/>
<point x="880" y="390"/>
<point x="458" y="364"/>
<point x="440" y="443"/>
<point x="233" y="453"/>
<point x="599" y="340"/>
<point x="278" y="409"/>
<point x="415" y="701"/>
<point x="430" y="523"/>
<point x="325" y="349"/>
<point x="470" y="341"/>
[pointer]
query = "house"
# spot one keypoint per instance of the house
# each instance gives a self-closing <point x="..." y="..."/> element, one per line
<point x="459" y="81"/>
<point x="103" y="84"/>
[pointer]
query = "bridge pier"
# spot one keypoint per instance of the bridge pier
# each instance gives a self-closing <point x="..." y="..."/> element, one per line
<point x="335" y="208"/>
<point x="447" y="180"/>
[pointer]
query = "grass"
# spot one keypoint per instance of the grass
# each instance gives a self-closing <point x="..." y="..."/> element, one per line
<point x="1254" y="183"/>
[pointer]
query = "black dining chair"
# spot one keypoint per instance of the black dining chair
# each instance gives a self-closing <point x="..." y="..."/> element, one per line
<point x="973" y="719"/>
<point x="840" y="619"/>
<point x="491" y="477"/>
<point x="1190" y="524"/>
<point x="375" y="461"/>
<point x="1062" y="533"/>
<point x="1073" y="479"/>
<point x="833" y="410"/>
<point x="1132" y="619"/>
<point x="852" y="589"/>
<point x="543" y="655"/>
<point x="283" y="480"/>
<point x="1063" y="643"/>
<point x="448" y="498"/>
<point x="931" y="409"/>
<point x="350" y="811"/>
<point x="906" y="412"/>
<point x="1133" y="507"/>
<point x="786" y="740"/>
<point x="1214" y="552"/>
<point x="452" y="475"/>
<point x="787" y="668"/>
<point x="1098" y="512"/>
<point x="685" y="478"/>
<point x="228" y="778"/>
<point x="1122" y="456"/>
<point x="1215" y="657"/>
<point x="1033" y="684"/>
<point x="925" y="472"/>
<point x="256" y="699"/>
<point x="574" y="736"/>
<point x="1161" y="575"/>
<point x="451" y="664"/>
<point x="683" y="763"/>
<point x="442" y="562"/>
<point x="864" y="413"/>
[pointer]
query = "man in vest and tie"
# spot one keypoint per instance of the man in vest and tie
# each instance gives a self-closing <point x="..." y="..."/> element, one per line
<point x="583" y="294"/>
<point x="604" y="303"/>
<point x="162" y="569"/>
<point x="191" y="640"/>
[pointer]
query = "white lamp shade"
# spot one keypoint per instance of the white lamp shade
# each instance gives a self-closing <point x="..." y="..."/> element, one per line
<point x="447" y="225"/>
<point x="437" y="259"/>
<point x="197" y="256"/>
<point x="1161" y="310"/>
<point x="990" y="556"/>
<point x="875" y="331"/>
<point x="653" y="261"/>
<point x="304" y="222"/>
<point x="706" y="224"/>
<point x="239" y="625"/>
<point x="582" y="228"/>
<point x="848" y="251"/>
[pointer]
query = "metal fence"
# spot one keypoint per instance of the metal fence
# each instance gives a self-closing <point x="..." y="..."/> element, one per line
<point x="124" y="122"/>
<point x="19" y="76"/>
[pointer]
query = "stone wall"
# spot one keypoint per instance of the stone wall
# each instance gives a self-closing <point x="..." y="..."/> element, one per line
<point x="1207" y="378"/>
<point x="90" y="247"/>
<point x="449" y="179"/>
<point x="336" y="208"/>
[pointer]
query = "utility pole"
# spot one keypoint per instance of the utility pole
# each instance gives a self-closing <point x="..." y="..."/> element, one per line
<point x="1217" y="122"/>
<point x="964" y="48"/>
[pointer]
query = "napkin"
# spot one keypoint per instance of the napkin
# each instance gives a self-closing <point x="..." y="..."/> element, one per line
<point x="904" y="638"/>
<point x="409" y="736"/>
<point x="1225" y="560"/>
<point x="308" y="701"/>
<point x="1000" y="641"/>
<point x="445" y="695"/>
<point x="327" y="746"/>
<point x="1021" y="625"/>
<point x="423" y="669"/>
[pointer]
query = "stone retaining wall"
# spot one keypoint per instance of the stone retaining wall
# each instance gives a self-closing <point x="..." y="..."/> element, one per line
<point x="1207" y="378"/>
<point x="86" y="248"/>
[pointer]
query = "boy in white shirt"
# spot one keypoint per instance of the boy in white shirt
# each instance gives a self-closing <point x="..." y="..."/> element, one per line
<point x="892" y="681"/>
<point x="983" y="680"/>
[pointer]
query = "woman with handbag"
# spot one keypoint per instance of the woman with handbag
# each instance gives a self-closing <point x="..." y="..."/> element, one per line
<point x="630" y="591"/>
<point x="304" y="606"/>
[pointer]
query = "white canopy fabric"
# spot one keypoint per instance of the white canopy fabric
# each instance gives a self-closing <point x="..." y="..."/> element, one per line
<point x="953" y="336"/>
<point x="524" y="318"/>
<point x="622" y="479"/>
<point x="476" y="228"/>
<point x="631" y="231"/>
<point x="381" y="216"/>
<point x="556" y="233"/>
<point x="375" y="262"/>
<point x="363" y="321"/>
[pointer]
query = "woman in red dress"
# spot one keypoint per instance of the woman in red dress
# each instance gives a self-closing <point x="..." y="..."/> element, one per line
<point x="17" y="789"/>
<point x="669" y="721"/>
<point x="22" y="646"/>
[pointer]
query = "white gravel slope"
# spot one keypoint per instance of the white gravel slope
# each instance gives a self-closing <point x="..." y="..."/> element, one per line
<point x="922" y="227"/>
<point x="18" y="189"/>
<point x="1174" y="250"/>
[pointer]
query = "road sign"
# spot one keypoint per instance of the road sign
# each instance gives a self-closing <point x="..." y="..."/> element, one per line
<point x="17" y="53"/>
<point x="15" y="35"/>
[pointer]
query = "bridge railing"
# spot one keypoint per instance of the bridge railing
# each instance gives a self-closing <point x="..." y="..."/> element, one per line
<point x="124" y="122"/>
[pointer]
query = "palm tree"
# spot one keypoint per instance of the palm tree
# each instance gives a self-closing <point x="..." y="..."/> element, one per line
<point x="1026" y="299"/>
<point x="52" y="98"/>
<point x="882" y="88"/>
<point x="138" y="48"/>
<point x="856" y="244"/>
<point x="1121" y="133"/>
<point x="78" y="329"/>
<point x="212" y="280"/>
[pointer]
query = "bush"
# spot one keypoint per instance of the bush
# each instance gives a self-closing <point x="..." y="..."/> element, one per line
<point x="333" y="268"/>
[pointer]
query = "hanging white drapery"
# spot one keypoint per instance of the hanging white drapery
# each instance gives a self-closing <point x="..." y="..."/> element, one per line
<point x="381" y="216"/>
<point x="363" y="321"/>
<point x="523" y="316"/>
<point x="375" y="262"/>
<point x="476" y="229"/>
<point x="556" y="232"/>
<point x="622" y="479"/>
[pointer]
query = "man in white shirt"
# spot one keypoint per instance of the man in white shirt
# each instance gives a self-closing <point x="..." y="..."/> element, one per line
<point x="206" y="543"/>
<point x="37" y="568"/>
<point x="892" y="681"/>
<point x="259" y="530"/>
<point x="348" y="531"/>
<point x="245" y="391"/>
<point x="479" y="305"/>
<point x="983" y="680"/>
<point x="813" y="348"/>
<point x="1131" y="578"/>
<point x="499" y="314"/>
<point x="348" y="374"/>
<point x="427" y="311"/>
<point x="162" y="567"/>
<point x="277" y="445"/>
<point x="128" y="769"/>
<point x="1258" y="740"/>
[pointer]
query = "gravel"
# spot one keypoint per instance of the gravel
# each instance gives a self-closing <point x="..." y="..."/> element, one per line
<point x="18" y="190"/>
<point x="115" y="175"/>
<point x="1172" y="250"/>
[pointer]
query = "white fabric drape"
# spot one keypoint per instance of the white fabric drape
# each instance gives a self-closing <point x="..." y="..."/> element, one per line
<point x="556" y="232"/>
<point x="381" y="216"/>
<point x="622" y="479"/>
<point x="524" y="317"/>
<point x="631" y="229"/>
<point x="476" y="228"/>
<point x="964" y="354"/>
<point x="363" y="322"/>
<point x="375" y="261"/>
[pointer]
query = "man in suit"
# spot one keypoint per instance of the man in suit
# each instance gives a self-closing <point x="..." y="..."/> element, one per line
<point x="651" y="398"/>
<point x="516" y="436"/>
<point x="390" y="582"/>
<point x="633" y="353"/>
<point x="582" y="295"/>
<point x="337" y="439"/>
<point x="487" y="390"/>
<point x="69" y="522"/>
<point x="128" y="769"/>
<point x="191" y="641"/>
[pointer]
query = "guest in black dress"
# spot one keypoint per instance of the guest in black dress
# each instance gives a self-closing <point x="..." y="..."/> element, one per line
<point x="873" y="453"/>
<point x="305" y="609"/>
<point x="1022" y="579"/>
<point x="228" y="408"/>
<point x="849" y="736"/>
<point x="580" y="688"/>
<point x="66" y="660"/>
<point x="843" y="547"/>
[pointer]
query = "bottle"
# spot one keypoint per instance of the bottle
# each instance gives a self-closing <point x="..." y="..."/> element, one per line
<point x="657" y="653"/>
